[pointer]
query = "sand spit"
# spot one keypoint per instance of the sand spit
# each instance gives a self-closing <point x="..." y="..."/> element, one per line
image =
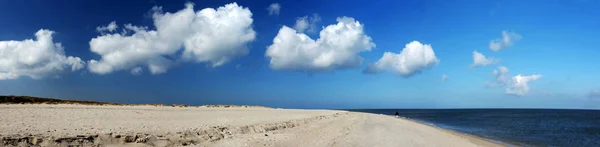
<point x="85" y="125"/>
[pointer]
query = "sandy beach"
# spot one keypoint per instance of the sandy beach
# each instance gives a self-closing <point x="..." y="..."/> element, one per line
<point x="63" y="125"/>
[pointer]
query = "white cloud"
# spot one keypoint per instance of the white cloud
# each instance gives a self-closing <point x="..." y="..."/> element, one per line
<point x="209" y="35"/>
<point x="110" y="27"/>
<point x="307" y="24"/>
<point x="444" y="77"/>
<point x="507" y="40"/>
<point x="594" y="93"/>
<point x="35" y="58"/>
<point x="518" y="85"/>
<point x="137" y="70"/>
<point x="414" y="58"/>
<point x="274" y="9"/>
<point x="501" y="74"/>
<point x="480" y="60"/>
<point x="337" y="48"/>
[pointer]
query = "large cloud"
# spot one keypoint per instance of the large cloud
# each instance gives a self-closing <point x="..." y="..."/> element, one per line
<point x="209" y="35"/>
<point x="35" y="58"/>
<point x="518" y="85"/>
<point x="337" y="48"/>
<point x="480" y="60"/>
<point x="507" y="40"/>
<point x="414" y="58"/>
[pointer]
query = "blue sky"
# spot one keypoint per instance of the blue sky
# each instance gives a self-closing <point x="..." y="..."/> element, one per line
<point x="553" y="40"/>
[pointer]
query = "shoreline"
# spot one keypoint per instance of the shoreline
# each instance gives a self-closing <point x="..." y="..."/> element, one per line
<point x="467" y="135"/>
<point x="60" y="125"/>
<point x="459" y="133"/>
<point x="471" y="137"/>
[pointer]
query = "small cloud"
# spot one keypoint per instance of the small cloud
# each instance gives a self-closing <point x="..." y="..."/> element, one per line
<point x="274" y="9"/>
<point x="414" y="58"/>
<point x="110" y="27"/>
<point x="518" y="85"/>
<point x="480" y="60"/>
<point x="136" y="71"/>
<point x="444" y="77"/>
<point x="507" y="40"/>
<point x="501" y="75"/>
<point x="307" y="23"/>
<point x="595" y="94"/>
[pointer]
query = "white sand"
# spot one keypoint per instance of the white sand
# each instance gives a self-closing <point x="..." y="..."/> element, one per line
<point x="60" y="125"/>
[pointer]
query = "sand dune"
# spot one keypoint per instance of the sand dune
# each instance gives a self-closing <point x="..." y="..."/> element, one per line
<point x="62" y="125"/>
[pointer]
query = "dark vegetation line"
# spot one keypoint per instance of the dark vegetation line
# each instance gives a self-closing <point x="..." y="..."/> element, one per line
<point x="10" y="99"/>
<point x="36" y="100"/>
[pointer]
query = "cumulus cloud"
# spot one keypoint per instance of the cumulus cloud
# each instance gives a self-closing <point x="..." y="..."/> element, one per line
<point x="337" y="48"/>
<point x="594" y="93"/>
<point x="274" y="9"/>
<point x="414" y="58"/>
<point x="444" y="77"/>
<point x="480" y="60"/>
<point x="215" y="36"/>
<point x="307" y="24"/>
<point x="110" y="27"/>
<point x="519" y="84"/>
<point x="507" y="40"/>
<point x="35" y="58"/>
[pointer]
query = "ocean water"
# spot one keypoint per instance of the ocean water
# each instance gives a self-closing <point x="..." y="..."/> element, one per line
<point x="520" y="127"/>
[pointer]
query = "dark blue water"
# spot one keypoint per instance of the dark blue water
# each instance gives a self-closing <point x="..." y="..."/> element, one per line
<point x="522" y="127"/>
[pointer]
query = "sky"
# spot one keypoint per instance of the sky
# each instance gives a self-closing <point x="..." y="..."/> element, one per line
<point x="335" y="54"/>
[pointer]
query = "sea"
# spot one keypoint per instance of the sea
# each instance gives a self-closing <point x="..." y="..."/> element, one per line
<point x="513" y="127"/>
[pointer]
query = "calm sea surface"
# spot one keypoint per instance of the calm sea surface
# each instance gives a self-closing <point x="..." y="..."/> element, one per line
<point x="522" y="127"/>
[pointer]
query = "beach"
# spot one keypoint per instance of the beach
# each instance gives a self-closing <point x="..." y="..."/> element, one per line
<point x="63" y="125"/>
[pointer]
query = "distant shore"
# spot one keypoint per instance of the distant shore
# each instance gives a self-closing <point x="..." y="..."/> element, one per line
<point x="89" y="125"/>
<point x="10" y="99"/>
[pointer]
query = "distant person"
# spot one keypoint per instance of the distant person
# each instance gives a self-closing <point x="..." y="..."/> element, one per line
<point x="397" y="114"/>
